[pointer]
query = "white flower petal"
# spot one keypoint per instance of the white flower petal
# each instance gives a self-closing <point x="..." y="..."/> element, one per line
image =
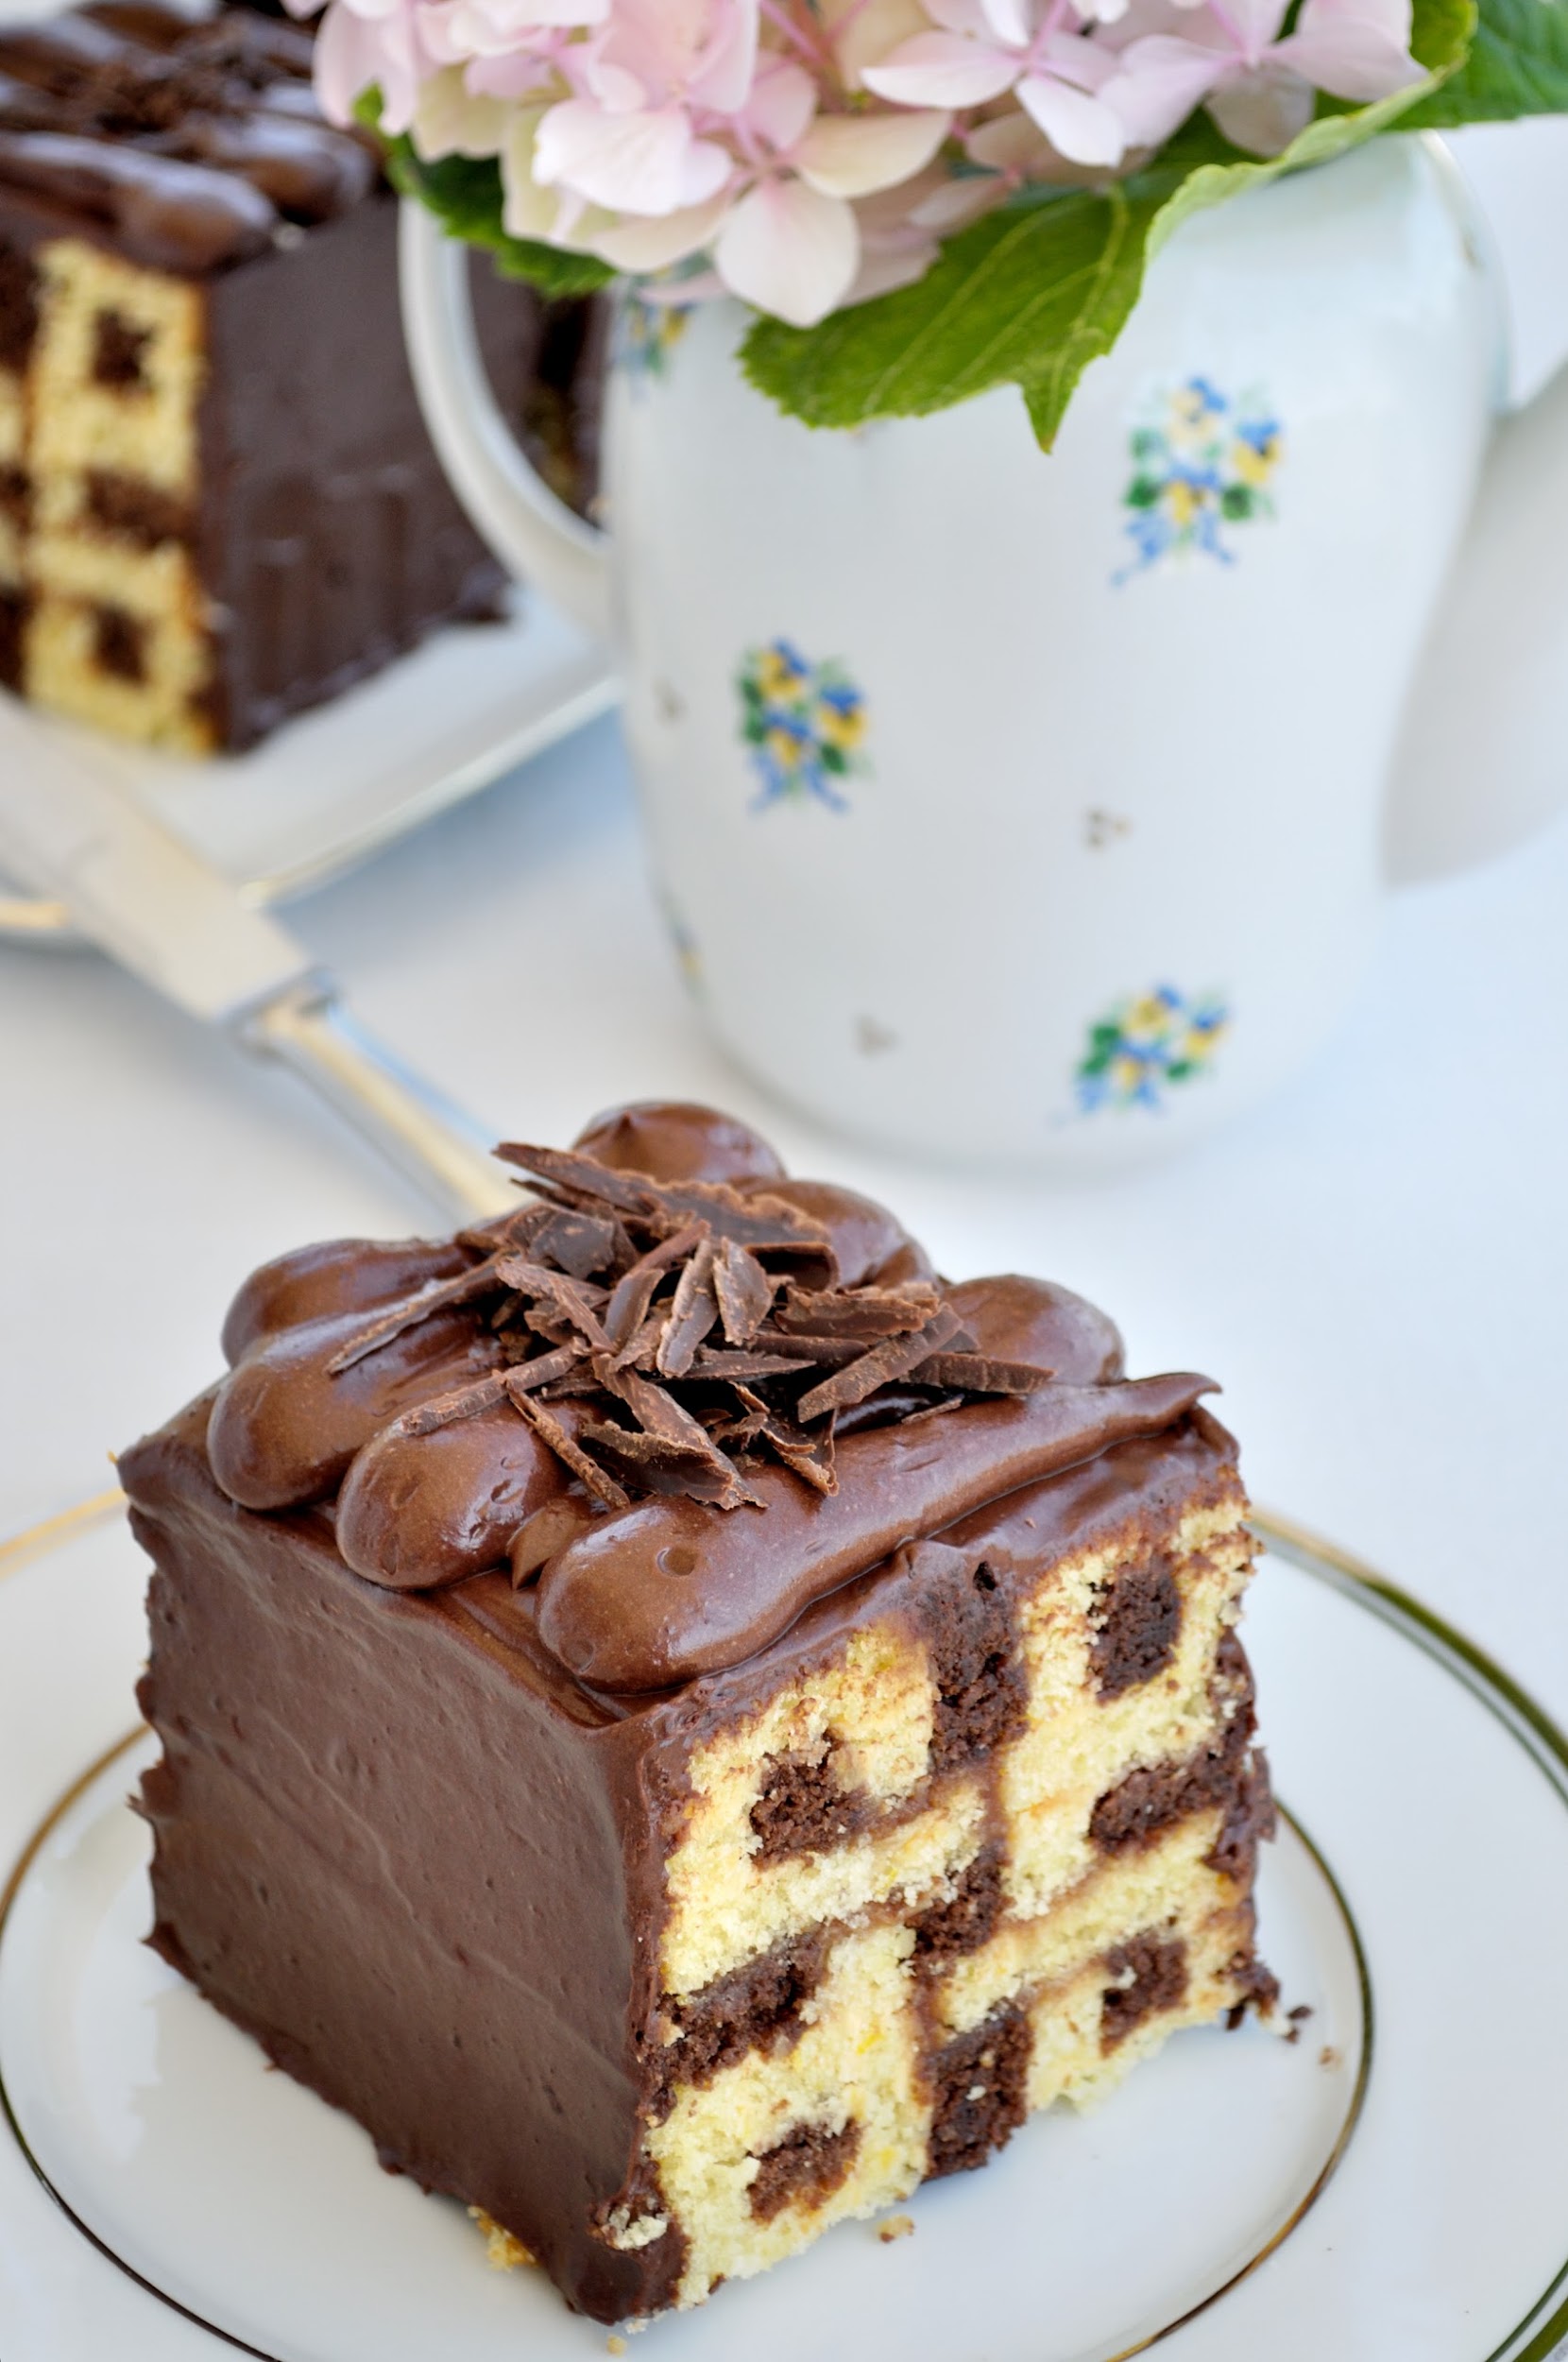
<point x="1263" y="111"/>
<point x="782" y="104"/>
<point x="942" y="70"/>
<point x="1159" y="80"/>
<point x="864" y="31"/>
<point x="854" y="155"/>
<point x="639" y="247"/>
<point x="1079" y="126"/>
<point x="790" y="250"/>
<point x="646" y="163"/>
<point x="1011" y="22"/>
<point x="448" y="121"/>
<point x="1355" y="59"/>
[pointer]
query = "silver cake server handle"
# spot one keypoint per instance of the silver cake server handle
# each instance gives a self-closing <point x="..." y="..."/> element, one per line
<point x="144" y="897"/>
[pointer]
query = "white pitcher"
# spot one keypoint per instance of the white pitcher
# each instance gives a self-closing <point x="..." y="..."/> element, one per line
<point x="1026" y="808"/>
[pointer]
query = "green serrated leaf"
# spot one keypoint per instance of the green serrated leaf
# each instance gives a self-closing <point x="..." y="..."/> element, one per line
<point x="465" y="195"/>
<point x="1027" y="296"/>
<point x="1518" y="67"/>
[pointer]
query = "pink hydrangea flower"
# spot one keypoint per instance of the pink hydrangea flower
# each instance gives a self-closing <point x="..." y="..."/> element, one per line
<point x="806" y="154"/>
<point x="1032" y="48"/>
<point x="1260" y="89"/>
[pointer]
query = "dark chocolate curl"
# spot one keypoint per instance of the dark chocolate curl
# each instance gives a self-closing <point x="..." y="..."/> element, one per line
<point x="609" y="1612"/>
<point x="895" y="1358"/>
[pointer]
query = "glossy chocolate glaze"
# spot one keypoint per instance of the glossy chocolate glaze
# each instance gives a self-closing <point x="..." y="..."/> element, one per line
<point x="648" y="1597"/>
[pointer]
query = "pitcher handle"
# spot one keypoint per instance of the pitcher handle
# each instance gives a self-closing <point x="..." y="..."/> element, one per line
<point x="534" y="534"/>
<point x="1482" y="761"/>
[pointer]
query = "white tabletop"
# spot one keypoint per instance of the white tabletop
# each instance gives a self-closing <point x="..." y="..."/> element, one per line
<point x="1377" y="1266"/>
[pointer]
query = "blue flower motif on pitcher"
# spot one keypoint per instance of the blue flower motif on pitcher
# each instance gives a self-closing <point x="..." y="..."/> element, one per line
<point x="646" y="335"/>
<point x="803" y="725"/>
<point x="1148" y="1045"/>
<point x="1202" y="464"/>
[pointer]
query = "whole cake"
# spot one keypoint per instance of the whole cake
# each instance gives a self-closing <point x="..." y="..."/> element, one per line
<point x="218" y="503"/>
<point x="684" y="1723"/>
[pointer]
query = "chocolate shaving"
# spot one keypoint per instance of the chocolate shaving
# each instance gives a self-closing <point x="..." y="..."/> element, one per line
<point x="436" y="1295"/>
<point x="858" y="1313"/>
<point x="628" y="1192"/>
<point x="808" y="1456"/>
<point x="717" y="1363"/>
<point x="895" y="1358"/>
<point x="579" y="1243"/>
<point x="664" y="1465"/>
<point x="635" y="1289"/>
<point x="566" y="1447"/>
<point x="692" y="1312"/>
<point x="745" y="1291"/>
<point x="545" y="1367"/>
<point x="833" y="1353"/>
<point x="654" y="1408"/>
<point x="577" y="1301"/>
<point x="463" y="1402"/>
<point x="511" y="1233"/>
<point x="760" y="1223"/>
<point x="698" y="1328"/>
<point x="980" y="1374"/>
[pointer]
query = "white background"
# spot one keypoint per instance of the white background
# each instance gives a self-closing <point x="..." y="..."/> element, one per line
<point x="1375" y="1266"/>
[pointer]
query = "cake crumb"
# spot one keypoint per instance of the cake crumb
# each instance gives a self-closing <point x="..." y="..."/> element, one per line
<point x="615" y="2345"/>
<point x="502" y="2252"/>
<point x="1328" y="2056"/>
<point x="895" y="2227"/>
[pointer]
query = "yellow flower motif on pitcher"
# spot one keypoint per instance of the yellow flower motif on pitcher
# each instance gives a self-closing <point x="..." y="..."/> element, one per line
<point x="1146" y="1045"/>
<point x="646" y="335"/>
<point x="1201" y="463"/>
<point x="804" y="724"/>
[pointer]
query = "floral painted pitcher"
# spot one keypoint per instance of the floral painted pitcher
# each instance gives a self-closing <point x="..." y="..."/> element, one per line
<point x="1021" y="808"/>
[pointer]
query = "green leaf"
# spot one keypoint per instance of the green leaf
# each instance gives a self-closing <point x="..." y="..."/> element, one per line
<point x="1518" y="67"/>
<point x="465" y="195"/>
<point x="1031" y="294"/>
<point x="1026" y="295"/>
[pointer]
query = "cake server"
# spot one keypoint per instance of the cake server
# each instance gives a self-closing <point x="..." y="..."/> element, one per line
<point x="152" y="904"/>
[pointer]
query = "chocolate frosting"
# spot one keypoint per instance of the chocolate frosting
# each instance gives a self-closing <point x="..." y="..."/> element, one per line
<point x="663" y="1592"/>
<point x="456" y="1391"/>
<point x="674" y="1139"/>
<point x="186" y="142"/>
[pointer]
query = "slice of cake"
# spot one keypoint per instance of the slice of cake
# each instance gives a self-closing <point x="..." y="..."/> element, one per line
<point x="218" y="503"/>
<point x="685" y="1723"/>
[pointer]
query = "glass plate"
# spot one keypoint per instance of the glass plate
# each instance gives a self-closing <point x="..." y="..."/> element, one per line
<point x="1400" y="2197"/>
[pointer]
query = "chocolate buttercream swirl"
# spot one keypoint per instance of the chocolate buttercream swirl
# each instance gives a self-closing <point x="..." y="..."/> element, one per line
<point x="691" y="1402"/>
